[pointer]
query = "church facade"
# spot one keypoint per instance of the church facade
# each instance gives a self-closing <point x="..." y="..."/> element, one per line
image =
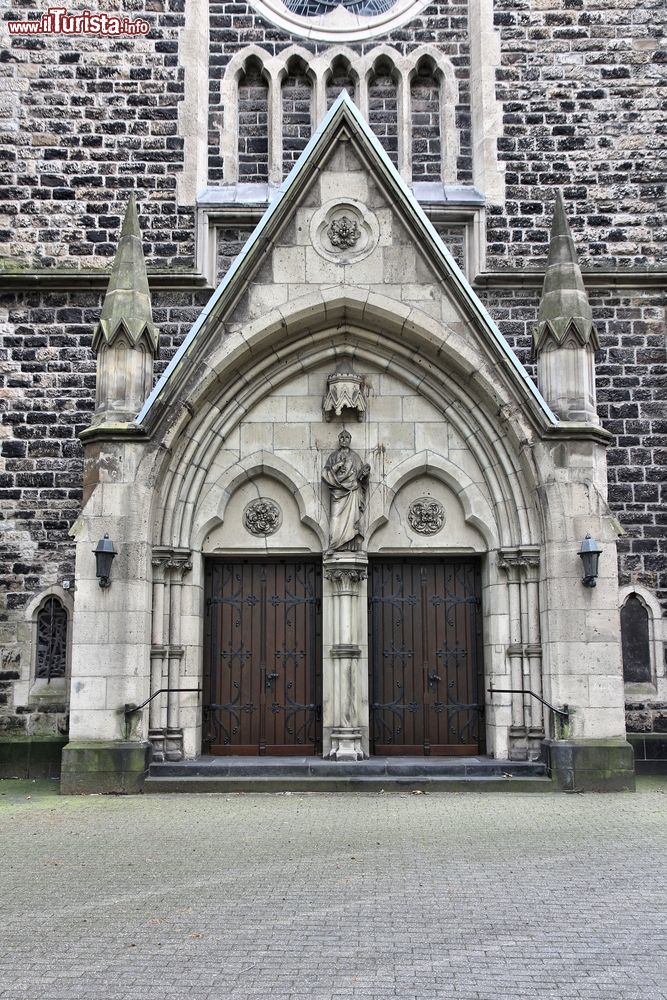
<point x="347" y="455"/>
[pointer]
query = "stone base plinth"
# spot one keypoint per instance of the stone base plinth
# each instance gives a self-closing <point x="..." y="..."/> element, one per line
<point x="156" y="739"/>
<point x="111" y="767"/>
<point x="346" y="744"/>
<point x="30" y="756"/>
<point x="590" y="765"/>
<point x="650" y="752"/>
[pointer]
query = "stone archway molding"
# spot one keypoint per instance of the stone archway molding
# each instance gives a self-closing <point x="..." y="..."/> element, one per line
<point x="476" y="510"/>
<point x="213" y="504"/>
<point x="473" y="392"/>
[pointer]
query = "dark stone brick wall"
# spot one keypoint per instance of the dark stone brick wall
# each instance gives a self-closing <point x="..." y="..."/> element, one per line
<point x="425" y="125"/>
<point x="253" y="125"/>
<point x="583" y="109"/>
<point x="631" y="379"/>
<point x="97" y="117"/>
<point x="342" y="78"/>
<point x="47" y="395"/>
<point x="231" y="240"/>
<point x="383" y="110"/>
<point x="297" y="98"/>
<point x="454" y="239"/>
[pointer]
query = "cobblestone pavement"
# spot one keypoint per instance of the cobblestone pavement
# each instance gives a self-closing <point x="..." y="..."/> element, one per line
<point x="307" y="897"/>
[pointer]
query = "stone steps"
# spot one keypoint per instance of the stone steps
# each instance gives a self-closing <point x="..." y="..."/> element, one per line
<point x="361" y="784"/>
<point x="312" y="774"/>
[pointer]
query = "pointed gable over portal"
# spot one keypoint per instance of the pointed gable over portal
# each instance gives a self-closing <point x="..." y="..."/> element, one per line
<point x="345" y="237"/>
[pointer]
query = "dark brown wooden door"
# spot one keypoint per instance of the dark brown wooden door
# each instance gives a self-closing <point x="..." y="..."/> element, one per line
<point x="425" y="657"/>
<point x="262" y="657"/>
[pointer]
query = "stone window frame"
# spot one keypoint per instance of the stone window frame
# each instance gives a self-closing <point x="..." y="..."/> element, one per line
<point x="657" y="638"/>
<point x="486" y="108"/>
<point x="58" y="687"/>
<point x="275" y="68"/>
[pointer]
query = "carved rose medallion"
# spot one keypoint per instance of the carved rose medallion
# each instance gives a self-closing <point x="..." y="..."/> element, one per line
<point x="262" y="517"/>
<point x="343" y="233"/>
<point x="426" y="515"/>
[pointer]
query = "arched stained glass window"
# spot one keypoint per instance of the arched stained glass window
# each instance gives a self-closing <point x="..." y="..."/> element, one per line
<point x="635" y="642"/>
<point x="319" y="8"/>
<point x="339" y="20"/>
<point x="51" y="639"/>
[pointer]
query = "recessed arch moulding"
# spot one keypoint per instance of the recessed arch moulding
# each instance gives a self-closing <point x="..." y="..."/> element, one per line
<point x="257" y="429"/>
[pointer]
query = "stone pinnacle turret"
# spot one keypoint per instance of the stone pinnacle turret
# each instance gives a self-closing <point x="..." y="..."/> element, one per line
<point x="564" y="307"/>
<point x="565" y="338"/>
<point x="127" y="304"/>
<point x="125" y="339"/>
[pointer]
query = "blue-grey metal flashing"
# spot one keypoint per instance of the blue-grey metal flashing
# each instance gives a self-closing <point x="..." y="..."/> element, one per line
<point x="345" y="108"/>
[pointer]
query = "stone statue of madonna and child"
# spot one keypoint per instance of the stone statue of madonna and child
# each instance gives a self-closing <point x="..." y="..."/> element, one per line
<point x="346" y="475"/>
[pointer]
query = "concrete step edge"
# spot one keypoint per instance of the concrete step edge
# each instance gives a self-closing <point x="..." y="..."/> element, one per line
<point x="334" y="784"/>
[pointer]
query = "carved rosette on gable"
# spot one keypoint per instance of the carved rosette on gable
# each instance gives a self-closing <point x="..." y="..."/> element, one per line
<point x="522" y="568"/>
<point x="565" y="338"/>
<point x="164" y="729"/>
<point x="344" y="231"/>
<point x="125" y="340"/>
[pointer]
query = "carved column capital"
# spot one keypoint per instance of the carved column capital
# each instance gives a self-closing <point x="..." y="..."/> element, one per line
<point x="175" y="561"/>
<point x="346" y="570"/>
<point x="519" y="562"/>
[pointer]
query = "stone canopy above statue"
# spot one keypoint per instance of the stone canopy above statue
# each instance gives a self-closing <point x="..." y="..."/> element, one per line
<point x="345" y="392"/>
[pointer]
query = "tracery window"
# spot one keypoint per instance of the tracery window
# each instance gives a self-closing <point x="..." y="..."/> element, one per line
<point x="319" y="8"/>
<point x="51" y="640"/>
<point x="339" y="20"/>
<point x="636" y="642"/>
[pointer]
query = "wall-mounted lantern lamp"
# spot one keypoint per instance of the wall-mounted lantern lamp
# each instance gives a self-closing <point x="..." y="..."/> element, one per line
<point x="590" y="557"/>
<point x="104" y="556"/>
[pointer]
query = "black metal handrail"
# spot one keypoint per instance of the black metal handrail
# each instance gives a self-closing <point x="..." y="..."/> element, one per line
<point x="131" y="709"/>
<point x="564" y="712"/>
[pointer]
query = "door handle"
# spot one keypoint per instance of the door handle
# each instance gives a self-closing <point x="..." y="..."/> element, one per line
<point x="433" y="679"/>
<point x="269" y="681"/>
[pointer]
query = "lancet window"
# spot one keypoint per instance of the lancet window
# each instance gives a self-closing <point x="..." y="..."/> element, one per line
<point x="51" y="660"/>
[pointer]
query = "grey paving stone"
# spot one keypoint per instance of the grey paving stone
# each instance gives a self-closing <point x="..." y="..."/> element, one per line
<point x="334" y="897"/>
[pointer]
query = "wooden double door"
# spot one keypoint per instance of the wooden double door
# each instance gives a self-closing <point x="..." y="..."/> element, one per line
<point x="263" y="656"/>
<point x="425" y="656"/>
